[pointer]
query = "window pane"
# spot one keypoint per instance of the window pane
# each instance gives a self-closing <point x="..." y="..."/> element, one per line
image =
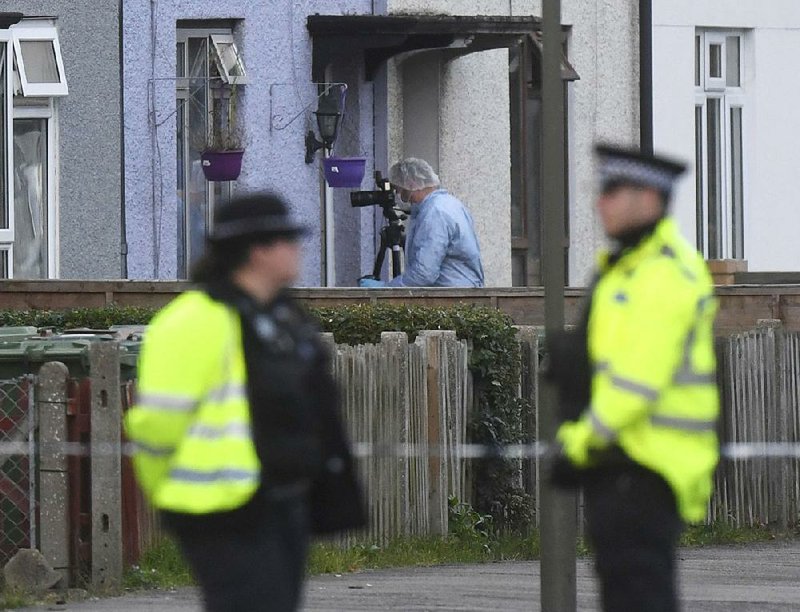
<point x="30" y="198"/>
<point x="714" y="144"/>
<point x="196" y="186"/>
<point x="697" y="56"/>
<point x="4" y="264"/>
<point x="737" y="184"/>
<point x="39" y="57"/>
<point x="715" y="61"/>
<point x="180" y="121"/>
<point x="180" y="59"/>
<point x="3" y="175"/>
<point x="698" y="165"/>
<point x="230" y="59"/>
<point x="732" y="53"/>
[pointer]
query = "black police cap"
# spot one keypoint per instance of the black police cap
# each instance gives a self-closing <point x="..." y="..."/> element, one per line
<point x="621" y="166"/>
<point x="255" y="216"/>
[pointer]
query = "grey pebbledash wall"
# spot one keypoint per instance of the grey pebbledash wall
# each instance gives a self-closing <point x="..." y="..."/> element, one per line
<point x="89" y="149"/>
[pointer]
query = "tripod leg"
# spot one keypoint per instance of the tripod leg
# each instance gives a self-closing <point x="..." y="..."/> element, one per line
<point x="397" y="259"/>
<point x="376" y="270"/>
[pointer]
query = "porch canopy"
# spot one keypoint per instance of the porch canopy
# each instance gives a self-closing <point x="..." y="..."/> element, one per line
<point x="379" y="37"/>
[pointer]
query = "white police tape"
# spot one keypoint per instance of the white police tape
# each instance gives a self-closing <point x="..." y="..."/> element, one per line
<point x="734" y="451"/>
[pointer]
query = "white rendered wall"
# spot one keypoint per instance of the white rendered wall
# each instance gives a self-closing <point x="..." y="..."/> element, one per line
<point x="473" y="148"/>
<point x="772" y="128"/>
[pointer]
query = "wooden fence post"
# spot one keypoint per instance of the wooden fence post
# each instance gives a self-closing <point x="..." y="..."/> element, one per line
<point x="51" y="400"/>
<point x="392" y="421"/>
<point x="436" y="438"/>
<point x="528" y="338"/>
<point x="778" y="421"/>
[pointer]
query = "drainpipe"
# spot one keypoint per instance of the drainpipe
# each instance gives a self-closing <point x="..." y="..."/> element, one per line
<point x="646" y="75"/>
<point x="330" y="239"/>
<point x="123" y="230"/>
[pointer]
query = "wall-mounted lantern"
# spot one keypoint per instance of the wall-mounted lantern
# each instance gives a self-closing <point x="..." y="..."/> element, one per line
<point x="329" y="115"/>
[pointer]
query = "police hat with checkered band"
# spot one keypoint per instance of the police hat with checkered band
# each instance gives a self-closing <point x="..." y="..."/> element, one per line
<point x="258" y="217"/>
<point x="630" y="167"/>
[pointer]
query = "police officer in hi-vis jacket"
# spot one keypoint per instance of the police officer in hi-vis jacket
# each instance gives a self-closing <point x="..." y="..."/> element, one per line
<point x="642" y="439"/>
<point x="236" y="427"/>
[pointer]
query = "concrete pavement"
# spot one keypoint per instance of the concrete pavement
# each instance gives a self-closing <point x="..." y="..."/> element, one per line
<point x="762" y="577"/>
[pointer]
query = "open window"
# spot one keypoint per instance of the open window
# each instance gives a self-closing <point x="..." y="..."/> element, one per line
<point x="40" y="67"/>
<point x="229" y="62"/>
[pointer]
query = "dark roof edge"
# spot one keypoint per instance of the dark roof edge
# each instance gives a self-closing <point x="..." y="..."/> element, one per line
<point x="332" y="25"/>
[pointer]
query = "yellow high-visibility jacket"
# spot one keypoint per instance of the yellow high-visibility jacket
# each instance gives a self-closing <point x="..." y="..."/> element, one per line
<point x="191" y="422"/>
<point x="651" y="348"/>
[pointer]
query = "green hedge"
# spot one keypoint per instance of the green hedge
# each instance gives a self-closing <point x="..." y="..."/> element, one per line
<point x="495" y="364"/>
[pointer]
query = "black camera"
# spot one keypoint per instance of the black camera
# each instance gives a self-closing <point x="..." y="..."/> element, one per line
<point x="382" y="196"/>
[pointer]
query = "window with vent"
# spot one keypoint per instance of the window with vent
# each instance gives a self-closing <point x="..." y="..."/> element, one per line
<point x="720" y="159"/>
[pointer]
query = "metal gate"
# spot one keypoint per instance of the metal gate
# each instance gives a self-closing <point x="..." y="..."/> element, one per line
<point x="17" y="466"/>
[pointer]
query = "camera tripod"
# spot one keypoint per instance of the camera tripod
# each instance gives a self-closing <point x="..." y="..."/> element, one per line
<point x="393" y="238"/>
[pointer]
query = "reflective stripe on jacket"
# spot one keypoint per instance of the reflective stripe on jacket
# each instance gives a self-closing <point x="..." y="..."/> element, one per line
<point x="651" y="345"/>
<point x="191" y="421"/>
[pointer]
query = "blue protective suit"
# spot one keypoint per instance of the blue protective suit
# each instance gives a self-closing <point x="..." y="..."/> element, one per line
<point x="441" y="246"/>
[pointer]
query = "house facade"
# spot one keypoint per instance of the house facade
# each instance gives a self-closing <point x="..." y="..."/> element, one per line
<point x="723" y="86"/>
<point x="60" y="153"/>
<point x="102" y="169"/>
<point x="474" y="115"/>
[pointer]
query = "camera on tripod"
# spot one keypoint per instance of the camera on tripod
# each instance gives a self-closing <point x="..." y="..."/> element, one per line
<point x="393" y="237"/>
<point x="383" y="195"/>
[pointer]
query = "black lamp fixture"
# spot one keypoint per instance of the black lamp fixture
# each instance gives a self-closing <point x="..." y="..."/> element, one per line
<point x="9" y="19"/>
<point x="329" y="114"/>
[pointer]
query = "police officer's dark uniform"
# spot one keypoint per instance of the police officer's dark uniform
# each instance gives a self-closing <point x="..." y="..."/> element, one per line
<point x="643" y="443"/>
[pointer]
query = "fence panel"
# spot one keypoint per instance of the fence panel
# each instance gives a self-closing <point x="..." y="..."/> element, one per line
<point x="411" y="450"/>
<point x="17" y="466"/>
<point x="760" y="385"/>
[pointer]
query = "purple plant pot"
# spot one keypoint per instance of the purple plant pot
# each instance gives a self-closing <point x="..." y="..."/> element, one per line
<point x="344" y="171"/>
<point x="222" y="165"/>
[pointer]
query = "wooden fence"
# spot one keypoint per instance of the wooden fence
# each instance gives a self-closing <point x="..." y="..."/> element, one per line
<point x="406" y="407"/>
<point x="759" y="374"/>
<point x="407" y="404"/>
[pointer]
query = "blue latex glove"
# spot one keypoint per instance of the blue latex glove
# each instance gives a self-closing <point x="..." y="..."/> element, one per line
<point x="370" y="282"/>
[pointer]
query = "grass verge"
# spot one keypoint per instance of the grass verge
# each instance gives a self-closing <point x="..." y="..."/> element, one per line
<point x="425" y="551"/>
<point x="164" y="567"/>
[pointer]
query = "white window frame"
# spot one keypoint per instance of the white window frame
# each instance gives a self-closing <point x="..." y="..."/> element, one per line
<point x="9" y="250"/>
<point x="182" y="35"/>
<point x="710" y="39"/>
<point x="217" y="40"/>
<point x="7" y="234"/>
<point x="729" y="97"/>
<point x="40" y="33"/>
